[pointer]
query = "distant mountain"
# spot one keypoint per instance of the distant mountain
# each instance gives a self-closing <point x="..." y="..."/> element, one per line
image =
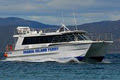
<point x="8" y="26"/>
<point x="14" y="22"/>
<point x="103" y="27"/>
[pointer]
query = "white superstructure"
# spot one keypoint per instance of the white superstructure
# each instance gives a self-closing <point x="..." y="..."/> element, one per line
<point x="62" y="45"/>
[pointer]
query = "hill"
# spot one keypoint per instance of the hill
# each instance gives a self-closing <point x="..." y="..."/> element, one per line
<point x="8" y="26"/>
<point x="104" y="27"/>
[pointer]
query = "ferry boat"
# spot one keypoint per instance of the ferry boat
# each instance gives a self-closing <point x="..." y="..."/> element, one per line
<point x="62" y="45"/>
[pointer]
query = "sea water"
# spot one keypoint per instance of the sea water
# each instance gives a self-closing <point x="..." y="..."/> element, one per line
<point x="109" y="69"/>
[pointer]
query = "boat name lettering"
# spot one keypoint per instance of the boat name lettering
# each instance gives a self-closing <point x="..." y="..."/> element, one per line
<point x="40" y="50"/>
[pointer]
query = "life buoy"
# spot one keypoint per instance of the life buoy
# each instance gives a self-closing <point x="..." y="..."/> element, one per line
<point x="5" y="54"/>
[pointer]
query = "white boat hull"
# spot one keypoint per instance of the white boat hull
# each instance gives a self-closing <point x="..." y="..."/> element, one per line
<point x="56" y="52"/>
<point x="97" y="51"/>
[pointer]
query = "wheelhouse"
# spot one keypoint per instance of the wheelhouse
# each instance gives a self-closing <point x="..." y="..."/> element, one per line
<point x="65" y="37"/>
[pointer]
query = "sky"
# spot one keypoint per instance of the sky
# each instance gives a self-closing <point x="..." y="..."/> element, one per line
<point x="56" y="12"/>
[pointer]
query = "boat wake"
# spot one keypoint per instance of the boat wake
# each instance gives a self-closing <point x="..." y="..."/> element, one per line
<point x="105" y="61"/>
<point x="58" y="60"/>
<point x="70" y="60"/>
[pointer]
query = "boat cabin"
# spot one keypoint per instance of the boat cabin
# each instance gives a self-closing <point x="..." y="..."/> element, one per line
<point x="27" y="37"/>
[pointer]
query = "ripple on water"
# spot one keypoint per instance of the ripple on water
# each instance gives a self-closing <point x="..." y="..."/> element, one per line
<point x="61" y="71"/>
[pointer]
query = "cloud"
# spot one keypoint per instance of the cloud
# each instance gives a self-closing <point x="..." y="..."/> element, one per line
<point x="114" y="17"/>
<point x="50" y="19"/>
<point x="49" y="11"/>
<point x="69" y="4"/>
<point x="81" y="18"/>
<point x="42" y="6"/>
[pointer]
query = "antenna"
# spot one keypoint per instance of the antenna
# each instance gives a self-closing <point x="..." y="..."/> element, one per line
<point x="63" y="18"/>
<point x="63" y="21"/>
<point x="75" y="20"/>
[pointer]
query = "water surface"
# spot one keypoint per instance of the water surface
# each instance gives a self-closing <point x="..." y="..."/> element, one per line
<point x="109" y="69"/>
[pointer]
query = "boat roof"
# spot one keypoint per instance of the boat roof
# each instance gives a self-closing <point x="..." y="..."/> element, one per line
<point x="62" y="30"/>
<point x="76" y="31"/>
<point x="51" y="33"/>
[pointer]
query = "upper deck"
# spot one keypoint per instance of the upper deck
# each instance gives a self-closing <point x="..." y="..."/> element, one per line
<point x="28" y="32"/>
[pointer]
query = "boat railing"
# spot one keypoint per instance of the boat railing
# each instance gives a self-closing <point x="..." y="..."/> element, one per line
<point x="48" y="30"/>
<point x="99" y="37"/>
<point x="36" y="31"/>
<point x="93" y="36"/>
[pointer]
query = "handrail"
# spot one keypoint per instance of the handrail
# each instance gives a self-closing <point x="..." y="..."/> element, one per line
<point x="98" y="37"/>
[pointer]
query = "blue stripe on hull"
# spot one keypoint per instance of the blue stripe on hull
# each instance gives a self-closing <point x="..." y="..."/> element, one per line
<point x="80" y="58"/>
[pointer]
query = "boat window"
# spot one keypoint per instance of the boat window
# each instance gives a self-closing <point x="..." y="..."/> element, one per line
<point x="85" y="36"/>
<point x="54" y="39"/>
<point x="64" y="38"/>
<point x="37" y="40"/>
<point x="79" y="37"/>
<point x="71" y="37"/>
